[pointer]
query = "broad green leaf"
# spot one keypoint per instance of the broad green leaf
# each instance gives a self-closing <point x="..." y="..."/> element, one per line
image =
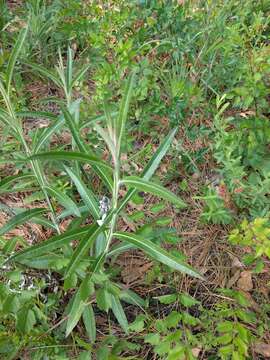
<point x="90" y="322"/>
<point x="152" y="165"/>
<point x="84" y="245"/>
<point x="25" y="320"/>
<point x="85" y="355"/>
<point x="167" y="299"/>
<point x="70" y="155"/>
<point x="45" y="72"/>
<point x="104" y="299"/>
<point x="13" y="57"/>
<point x="124" y="107"/>
<point x="87" y="195"/>
<point x="21" y="219"/>
<point x="64" y="200"/>
<point x="152" y="338"/>
<point x="155" y="189"/>
<point x="119" y="313"/>
<point x="157" y="253"/>
<point x="75" y="313"/>
<point x="45" y="262"/>
<point x="131" y="297"/>
<point x="188" y="300"/>
<point x="51" y="244"/>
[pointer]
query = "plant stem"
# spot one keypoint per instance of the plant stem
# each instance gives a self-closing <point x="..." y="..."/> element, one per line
<point x="116" y="181"/>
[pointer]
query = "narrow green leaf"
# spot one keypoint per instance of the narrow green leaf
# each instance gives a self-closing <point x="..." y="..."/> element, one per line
<point x="45" y="72"/>
<point x="100" y="167"/>
<point x="98" y="118"/>
<point x="87" y="195"/>
<point x="124" y="107"/>
<point x="90" y="322"/>
<point x="105" y="136"/>
<point x="37" y="114"/>
<point x="69" y="69"/>
<point x="119" y="313"/>
<point x="52" y="244"/>
<point x="85" y="244"/>
<point x="152" y="165"/>
<point x="13" y="178"/>
<point x="157" y="253"/>
<point x="155" y="189"/>
<point x="4" y="116"/>
<point x="75" y="313"/>
<point x="55" y="126"/>
<point x="79" y="74"/>
<point x="64" y="200"/>
<point x="70" y="155"/>
<point x="13" y="57"/>
<point x="47" y="133"/>
<point x="21" y="219"/>
<point x="10" y="245"/>
<point x="70" y="121"/>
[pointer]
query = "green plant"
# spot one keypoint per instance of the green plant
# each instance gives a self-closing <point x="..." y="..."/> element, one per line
<point x="255" y="235"/>
<point x="214" y="210"/>
<point x="86" y="273"/>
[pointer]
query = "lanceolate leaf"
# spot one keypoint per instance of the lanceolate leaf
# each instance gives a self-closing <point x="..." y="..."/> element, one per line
<point x="157" y="253"/>
<point x="47" y="133"/>
<point x="69" y="68"/>
<point x="75" y="313"/>
<point x="98" y="168"/>
<point x="21" y="219"/>
<point x="85" y="244"/>
<point x="79" y="74"/>
<point x="64" y="200"/>
<point x="11" y="179"/>
<point x="37" y="114"/>
<point x="13" y="57"/>
<point x="45" y="72"/>
<point x="74" y="131"/>
<point x="90" y="322"/>
<point x="99" y="118"/>
<point x="56" y="125"/>
<point x="155" y="189"/>
<point x="52" y="244"/>
<point x="70" y="155"/>
<point x="86" y="194"/>
<point x="124" y="107"/>
<point x="152" y="165"/>
<point x="119" y="313"/>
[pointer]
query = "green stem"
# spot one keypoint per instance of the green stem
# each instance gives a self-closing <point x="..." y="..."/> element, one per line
<point x="113" y="222"/>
